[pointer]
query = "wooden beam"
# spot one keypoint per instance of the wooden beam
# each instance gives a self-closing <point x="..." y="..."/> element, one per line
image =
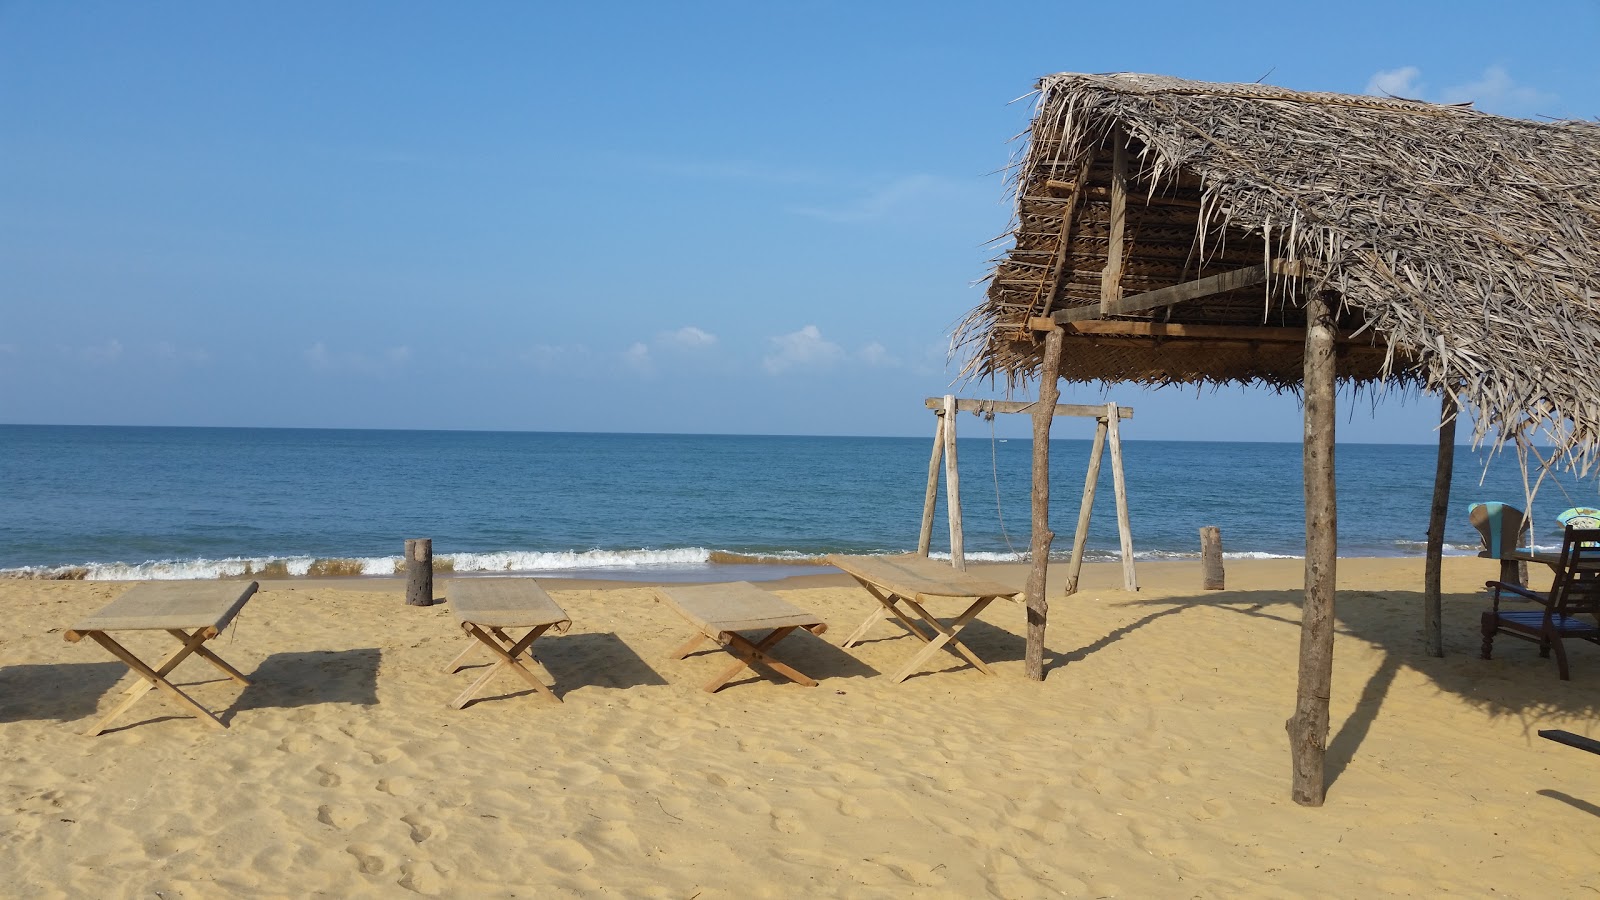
<point x="1252" y="333"/>
<point x="952" y="486"/>
<point x="930" y="497"/>
<point x="1048" y="289"/>
<point x="1086" y="505"/>
<point x="1308" y="727"/>
<point x="1111" y="275"/>
<point x="1037" y="602"/>
<point x="1119" y="485"/>
<point x="1018" y="406"/>
<point x="1103" y="192"/>
<point x="1433" y="571"/>
<point x="1178" y="293"/>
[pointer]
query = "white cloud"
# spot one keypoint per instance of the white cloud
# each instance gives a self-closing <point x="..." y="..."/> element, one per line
<point x="1493" y="91"/>
<point x="899" y="197"/>
<point x="1401" y="82"/>
<point x="687" y="338"/>
<point x="637" y="357"/>
<point x="557" y="357"/>
<point x="875" y="354"/>
<point x="1496" y="91"/>
<point x="803" y="349"/>
<point x="102" y="354"/>
<point x="321" y="359"/>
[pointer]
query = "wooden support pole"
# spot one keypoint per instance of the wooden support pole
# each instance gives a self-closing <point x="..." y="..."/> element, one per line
<point x="1308" y="727"/>
<point x="952" y="486"/>
<point x="1043" y="537"/>
<point x="419" y="571"/>
<point x="1111" y="275"/>
<point x="1211" y="575"/>
<point x="1119" y="485"/>
<point x="1433" y="575"/>
<point x="1086" y="506"/>
<point x="930" y="497"/>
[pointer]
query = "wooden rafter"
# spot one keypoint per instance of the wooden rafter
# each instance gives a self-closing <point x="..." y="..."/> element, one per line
<point x="1178" y="293"/>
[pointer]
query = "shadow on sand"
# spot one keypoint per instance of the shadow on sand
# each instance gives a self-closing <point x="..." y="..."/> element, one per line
<point x="61" y="692"/>
<point x="288" y="680"/>
<point x="1517" y="682"/>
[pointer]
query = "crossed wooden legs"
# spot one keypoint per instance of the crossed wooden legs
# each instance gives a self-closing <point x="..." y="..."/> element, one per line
<point x="943" y="635"/>
<point x="750" y="654"/>
<point x="509" y="653"/>
<point x="192" y="643"/>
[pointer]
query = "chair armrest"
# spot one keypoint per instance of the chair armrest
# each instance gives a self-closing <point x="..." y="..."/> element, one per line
<point x="1517" y="589"/>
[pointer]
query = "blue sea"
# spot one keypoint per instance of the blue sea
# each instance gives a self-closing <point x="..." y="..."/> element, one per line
<point x="145" y="503"/>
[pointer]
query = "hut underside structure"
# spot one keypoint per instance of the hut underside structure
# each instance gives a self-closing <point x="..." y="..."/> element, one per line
<point x="1178" y="232"/>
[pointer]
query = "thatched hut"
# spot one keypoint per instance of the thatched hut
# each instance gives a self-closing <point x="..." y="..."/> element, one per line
<point x="1178" y="232"/>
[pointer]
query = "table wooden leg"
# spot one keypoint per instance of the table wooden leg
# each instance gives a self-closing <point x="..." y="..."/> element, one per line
<point x="946" y="636"/>
<point x="689" y="646"/>
<point x="152" y="678"/>
<point x="508" y="659"/>
<point x="206" y="654"/>
<point x="751" y="654"/>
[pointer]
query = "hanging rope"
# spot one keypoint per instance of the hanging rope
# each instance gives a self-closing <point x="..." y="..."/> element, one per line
<point x="994" y="465"/>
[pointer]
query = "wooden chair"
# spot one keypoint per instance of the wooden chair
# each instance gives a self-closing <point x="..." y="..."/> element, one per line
<point x="1575" y="592"/>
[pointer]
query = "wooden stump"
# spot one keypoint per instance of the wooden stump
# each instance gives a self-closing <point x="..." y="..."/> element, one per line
<point x="1211" y="558"/>
<point x="419" y="571"/>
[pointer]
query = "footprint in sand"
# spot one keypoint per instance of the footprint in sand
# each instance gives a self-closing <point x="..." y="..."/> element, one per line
<point x="296" y="743"/>
<point x="329" y="778"/>
<point x="379" y="757"/>
<point x="787" y="821"/>
<point x="421" y="878"/>
<point x="340" y="817"/>
<point x="419" y="831"/>
<point x="368" y="858"/>
<point x="398" y="786"/>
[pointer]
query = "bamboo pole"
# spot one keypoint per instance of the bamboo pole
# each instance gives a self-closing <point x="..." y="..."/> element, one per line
<point x="952" y="485"/>
<point x="1086" y="506"/>
<point x="1119" y="484"/>
<point x="1308" y="727"/>
<point x="1433" y="576"/>
<point x="930" y="498"/>
<point x="1043" y="537"/>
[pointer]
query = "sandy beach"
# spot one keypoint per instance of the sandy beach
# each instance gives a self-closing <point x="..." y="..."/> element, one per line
<point x="1151" y="762"/>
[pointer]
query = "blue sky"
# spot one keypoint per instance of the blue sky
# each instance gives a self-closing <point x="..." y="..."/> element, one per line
<point x="688" y="217"/>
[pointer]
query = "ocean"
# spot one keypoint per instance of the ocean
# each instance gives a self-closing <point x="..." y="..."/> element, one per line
<point x="149" y="503"/>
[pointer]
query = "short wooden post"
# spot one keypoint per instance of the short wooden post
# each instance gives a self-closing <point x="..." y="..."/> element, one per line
<point x="1119" y="485"/>
<point x="1308" y="727"/>
<point x="952" y="485"/>
<point x="1043" y="537"/>
<point x="1211" y="577"/>
<point x="930" y="498"/>
<point x="419" y="571"/>
<point x="1086" y="506"/>
<point x="1433" y="574"/>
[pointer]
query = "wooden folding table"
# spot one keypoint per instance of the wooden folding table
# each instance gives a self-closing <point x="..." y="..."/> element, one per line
<point x="721" y="611"/>
<point x="485" y="608"/>
<point x="912" y="582"/>
<point x="193" y="612"/>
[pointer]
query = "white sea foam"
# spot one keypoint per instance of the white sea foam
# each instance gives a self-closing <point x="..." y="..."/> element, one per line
<point x="532" y="561"/>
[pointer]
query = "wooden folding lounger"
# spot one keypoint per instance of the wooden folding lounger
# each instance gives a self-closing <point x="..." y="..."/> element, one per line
<point x="485" y="608"/>
<point x="912" y="582"/>
<point x="721" y="611"/>
<point x="191" y="611"/>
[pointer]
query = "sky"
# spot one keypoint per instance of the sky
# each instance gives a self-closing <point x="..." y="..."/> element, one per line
<point x="657" y="217"/>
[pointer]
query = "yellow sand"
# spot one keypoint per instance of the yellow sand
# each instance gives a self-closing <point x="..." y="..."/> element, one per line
<point x="1151" y="763"/>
